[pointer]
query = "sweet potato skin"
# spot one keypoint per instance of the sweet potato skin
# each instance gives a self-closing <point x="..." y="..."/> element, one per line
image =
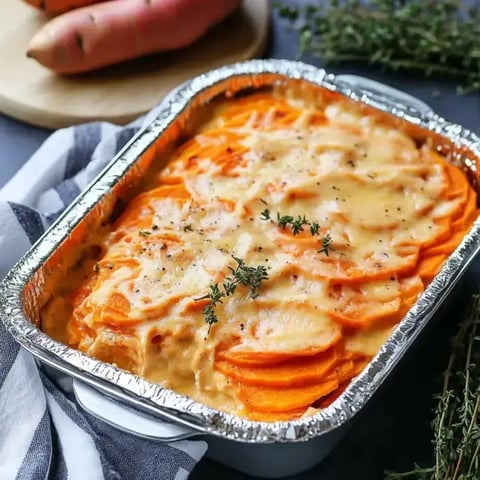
<point x="117" y="30"/>
<point x="55" y="7"/>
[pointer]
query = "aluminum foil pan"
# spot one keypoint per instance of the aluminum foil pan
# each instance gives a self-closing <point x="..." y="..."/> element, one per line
<point x="23" y="291"/>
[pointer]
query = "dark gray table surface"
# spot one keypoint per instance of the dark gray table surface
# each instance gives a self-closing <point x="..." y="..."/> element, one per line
<point x="393" y="432"/>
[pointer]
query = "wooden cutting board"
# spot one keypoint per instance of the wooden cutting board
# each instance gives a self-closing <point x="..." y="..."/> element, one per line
<point x="118" y="94"/>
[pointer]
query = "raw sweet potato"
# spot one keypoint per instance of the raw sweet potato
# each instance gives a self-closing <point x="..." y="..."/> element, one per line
<point x="110" y="32"/>
<point x="54" y="7"/>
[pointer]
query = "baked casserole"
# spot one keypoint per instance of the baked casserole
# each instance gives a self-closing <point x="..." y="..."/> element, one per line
<point x="266" y="262"/>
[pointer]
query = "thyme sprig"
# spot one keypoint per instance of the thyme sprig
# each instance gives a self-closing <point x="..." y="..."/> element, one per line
<point x="456" y="423"/>
<point x="434" y="37"/>
<point x="242" y="274"/>
<point x="296" y="225"/>
<point x="215" y="296"/>
<point x="326" y="245"/>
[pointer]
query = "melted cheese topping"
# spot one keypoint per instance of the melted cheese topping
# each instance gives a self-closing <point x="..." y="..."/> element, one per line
<point x="383" y="202"/>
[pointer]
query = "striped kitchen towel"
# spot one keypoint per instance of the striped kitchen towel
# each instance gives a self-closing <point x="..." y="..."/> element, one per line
<point x="43" y="432"/>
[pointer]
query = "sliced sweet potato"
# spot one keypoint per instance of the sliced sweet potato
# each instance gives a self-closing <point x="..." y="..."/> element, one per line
<point x="276" y="331"/>
<point x="348" y="272"/>
<point x="362" y="304"/>
<point x="250" y="358"/>
<point x="428" y="267"/>
<point x="295" y="372"/>
<point x="274" y="400"/>
<point x="115" y="311"/>
<point x="469" y="213"/>
<point x="261" y="416"/>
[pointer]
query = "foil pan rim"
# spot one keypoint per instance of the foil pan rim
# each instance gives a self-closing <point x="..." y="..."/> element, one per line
<point x="173" y="406"/>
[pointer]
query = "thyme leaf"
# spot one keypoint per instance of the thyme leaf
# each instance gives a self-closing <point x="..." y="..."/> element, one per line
<point x="326" y="245"/>
<point x="265" y="214"/>
<point x="314" y="227"/>
<point x="284" y="220"/>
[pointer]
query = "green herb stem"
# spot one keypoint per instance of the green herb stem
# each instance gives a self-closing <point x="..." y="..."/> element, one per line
<point x="242" y="274"/>
<point x="296" y="226"/>
<point x="456" y="424"/>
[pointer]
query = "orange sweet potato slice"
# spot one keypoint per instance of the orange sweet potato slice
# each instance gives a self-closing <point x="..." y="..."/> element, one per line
<point x="115" y="312"/>
<point x="443" y="248"/>
<point x="276" y="331"/>
<point x="249" y="358"/>
<point x="457" y="193"/>
<point x="442" y="233"/>
<point x="277" y="399"/>
<point x="467" y="215"/>
<point x="348" y="272"/>
<point x="428" y="267"/>
<point x="295" y="372"/>
<point x="261" y="416"/>
<point x="325" y="401"/>
<point x="411" y="286"/>
<point x="141" y="210"/>
<point x="170" y="191"/>
<point x="362" y="304"/>
<point x="283" y="399"/>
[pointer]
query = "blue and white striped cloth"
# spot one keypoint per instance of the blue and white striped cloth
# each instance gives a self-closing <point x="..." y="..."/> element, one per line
<point x="43" y="432"/>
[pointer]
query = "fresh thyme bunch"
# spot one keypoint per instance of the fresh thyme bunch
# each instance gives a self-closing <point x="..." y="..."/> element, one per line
<point x="433" y="36"/>
<point x="457" y="414"/>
